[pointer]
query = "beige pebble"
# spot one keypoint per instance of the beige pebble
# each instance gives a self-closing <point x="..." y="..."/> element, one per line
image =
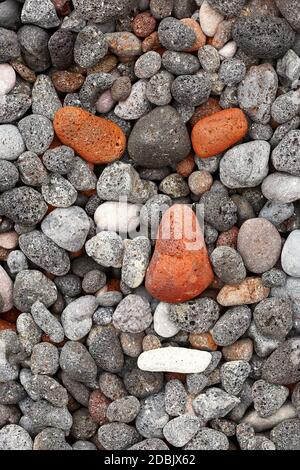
<point x="250" y="291"/>
<point x="9" y="240"/>
<point x="228" y="50"/>
<point x="209" y="19"/>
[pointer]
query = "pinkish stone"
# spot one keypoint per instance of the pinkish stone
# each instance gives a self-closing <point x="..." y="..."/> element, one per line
<point x="105" y="102"/>
<point x="9" y="240"/>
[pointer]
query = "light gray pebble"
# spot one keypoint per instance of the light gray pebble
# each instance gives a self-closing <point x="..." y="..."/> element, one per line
<point x="180" y="63"/>
<point x="59" y="160"/>
<point x="232" y="71"/>
<point x="90" y="46"/>
<point x="11" y="142"/>
<point x="286" y="434"/>
<point x="51" y="439"/>
<point x="109" y="299"/>
<point x="44" y="359"/>
<point x="43" y="15"/>
<point x="58" y="191"/>
<point x="33" y="41"/>
<point x="14" y="437"/>
<point x="43" y="414"/>
<point x="259" y="131"/>
<point x="45" y="100"/>
<point x="47" y="322"/>
<point x="214" y="403"/>
<point x="77" y="317"/>
<point x="30" y="286"/>
<point x="29" y="333"/>
<point x="136" y="104"/>
<point x="196" y="383"/>
<point x="106" y="248"/>
<point x="263" y="345"/>
<point x="133" y="314"/>
<point x="135" y="261"/>
<point x="117" y="436"/>
<point x="268" y="398"/>
<point x="9" y="175"/>
<point x="179" y="431"/>
<point x="281" y="187"/>
<point x="81" y="175"/>
<point x="233" y="375"/>
<point x="209" y="58"/>
<point x="286" y="107"/>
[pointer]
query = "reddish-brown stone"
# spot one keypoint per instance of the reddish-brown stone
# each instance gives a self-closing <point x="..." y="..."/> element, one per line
<point x="98" y="404"/>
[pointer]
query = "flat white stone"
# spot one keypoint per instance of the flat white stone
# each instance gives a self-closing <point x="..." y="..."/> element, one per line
<point x="259" y="424"/>
<point x="169" y="359"/>
<point x="120" y="217"/>
<point x="290" y="256"/>
<point x="7" y="78"/>
<point x="162" y="325"/>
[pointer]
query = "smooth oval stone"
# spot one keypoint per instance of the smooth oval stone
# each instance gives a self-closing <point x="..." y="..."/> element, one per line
<point x="219" y="131"/>
<point x="179" y="269"/>
<point x="281" y="187"/>
<point x="159" y="139"/>
<point x="259" y="244"/>
<point x="6" y="290"/>
<point x="11" y="142"/>
<point x="245" y="165"/>
<point x="7" y="78"/>
<point x="95" y="139"/>
<point x="173" y="359"/>
<point x="162" y="325"/>
<point x="263" y="36"/>
<point x="290" y="256"/>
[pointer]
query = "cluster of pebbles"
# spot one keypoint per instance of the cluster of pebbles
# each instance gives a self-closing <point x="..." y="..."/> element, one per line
<point x="118" y="119"/>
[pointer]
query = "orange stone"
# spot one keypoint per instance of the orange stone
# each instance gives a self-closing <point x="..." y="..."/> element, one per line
<point x="179" y="269"/>
<point x="5" y="325"/>
<point x="95" y="139"/>
<point x="216" y="133"/>
<point x="200" y="36"/>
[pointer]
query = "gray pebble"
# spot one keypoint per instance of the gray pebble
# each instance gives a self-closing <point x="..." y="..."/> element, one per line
<point x="220" y="211"/>
<point x="232" y="325"/>
<point x="288" y="9"/>
<point x="103" y="316"/>
<point x="180" y="63"/>
<point x="274" y="317"/>
<point x="37" y="132"/>
<point x="179" y="431"/>
<point x="288" y="68"/>
<point x="105" y="348"/>
<point x="11" y="142"/>
<point x="141" y="383"/>
<point x="123" y="410"/>
<point x="43" y="15"/>
<point x="263" y="36"/>
<point x="281" y="187"/>
<point x="133" y="314"/>
<point x="232" y="71"/>
<point x="32" y="170"/>
<point x="117" y="436"/>
<point x="90" y="46"/>
<point x="196" y="316"/>
<point x="59" y="160"/>
<point x="152" y="143"/>
<point x="51" y="439"/>
<point x="109" y="299"/>
<point x="158" y="90"/>
<point x="33" y="41"/>
<point x="30" y="286"/>
<point x="209" y="58"/>
<point x="259" y="131"/>
<point x="43" y="414"/>
<point x="84" y="445"/>
<point x="152" y="416"/>
<point x="274" y="278"/>
<point x="23" y="205"/>
<point x="228" y="7"/>
<point x="47" y="322"/>
<point x="228" y="265"/>
<point x="282" y="366"/>
<point x="83" y="426"/>
<point x="147" y="65"/>
<point x="69" y="285"/>
<point x="208" y="439"/>
<point x="277" y="212"/>
<point x="94" y="85"/>
<point x="10" y="14"/>
<point x="77" y="317"/>
<point x="175" y="398"/>
<point x="45" y="100"/>
<point x="11" y="393"/>
<point x="76" y="362"/>
<point x="150" y="444"/>
<point x="283" y="129"/>
<point x="174" y="35"/>
<point x="44" y="252"/>
<point x="135" y="261"/>
<point x="9" y="46"/>
<point x="175" y="186"/>
<point x="161" y="9"/>
<point x="81" y="175"/>
<point x="110" y="9"/>
<point x="14" y="437"/>
<point x="263" y="345"/>
<point x="196" y="383"/>
<point x="233" y="375"/>
<point x="208" y="164"/>
<point x="106" y="248"/>
<point x="9" y="175"/>
<point x="28" y="332"/>
<point x="61" y="45"/>
<point x="268" y="398"/>
<point x="191" y="89"/>
<point x="121" y="89"/>
<point x="58" y="191"/>
<point x="13" y="107"/>
<point x="44" y="359"/>
<point x="285" y="157"/>
<point x="286" y="107"/>
<point x="286" y="435"/>
<point x="214" y="403"/>
<point x="93" y="281"/>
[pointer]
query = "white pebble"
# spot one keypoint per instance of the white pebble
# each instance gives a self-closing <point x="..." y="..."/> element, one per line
<point x="209" y="19"/>
<point x="173" y="359"/>
<point x="290" y="256"/>
<point x="162" y="325"/>
<point x="7" y="78"/>
<point x="120" y="217"/>
<point x="228" y="50"/>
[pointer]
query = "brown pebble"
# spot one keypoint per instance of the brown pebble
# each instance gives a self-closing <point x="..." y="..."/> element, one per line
<point x="107" y="64"/>
<point x="228" y="238"/>
<point x="175" y="376"/>
<point x="203" y="341"/>
<point x="200" y="181"/>
<point x="143" y="24"/>
<point x="4" y="253"/>
<point x="151" y="42"/>
<point x="241" y="350"/>
<point x="98" y="404"/>
<point x="223" y="33"/>
<point x="208" y="108"/>
<point x="121" y="88"/>
<point x="25" y="72"/>
<point x="151" y="342"/>
<point x="67" y="82"/>
<point x="186" y="166"/>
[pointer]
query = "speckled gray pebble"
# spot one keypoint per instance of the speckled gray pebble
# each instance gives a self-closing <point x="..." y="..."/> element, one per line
<point x="191" y="89"/>
<point x="195" y="316"/>
<point x="228" y="265"/>
<point x="179" y="431"/>
<point x="180" y="63"/>
<point x="133" y="314"/>
<point x="90" y="46"/>
<point x="174" y="35"/>
<point x="232" y="325"/>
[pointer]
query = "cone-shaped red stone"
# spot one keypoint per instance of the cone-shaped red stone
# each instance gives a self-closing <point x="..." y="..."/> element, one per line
<point x="179" y="269"/>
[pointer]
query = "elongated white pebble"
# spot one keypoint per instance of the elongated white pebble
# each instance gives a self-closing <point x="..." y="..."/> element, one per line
<point x="162" y="325"/>
<point x="228" y="50"/>
<point x="173" y="359"/>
